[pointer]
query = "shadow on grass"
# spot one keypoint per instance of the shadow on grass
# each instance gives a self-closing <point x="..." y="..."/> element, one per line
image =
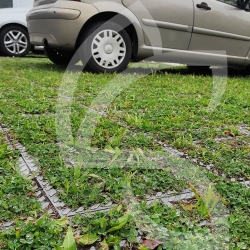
<point x="180" y="70"/>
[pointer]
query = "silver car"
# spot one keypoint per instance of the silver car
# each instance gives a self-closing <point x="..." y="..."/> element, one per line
<point x="107" y="34"/>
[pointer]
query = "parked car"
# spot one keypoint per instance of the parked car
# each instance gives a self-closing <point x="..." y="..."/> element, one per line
<point x="109" y="33"/>
<point x="14" y="37"/>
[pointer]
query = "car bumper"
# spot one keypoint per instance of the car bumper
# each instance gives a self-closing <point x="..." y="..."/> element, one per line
<point x="57" y="26"/>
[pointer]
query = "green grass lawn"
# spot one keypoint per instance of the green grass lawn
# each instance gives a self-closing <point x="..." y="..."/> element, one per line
<point x="169" y="106"/>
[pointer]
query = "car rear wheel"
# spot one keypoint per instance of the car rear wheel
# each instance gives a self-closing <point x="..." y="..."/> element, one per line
<point x="59" y="57"/>
<point x="14" y="41"/>
<point x="198" y="69"/>
<point x="106" y="47"/>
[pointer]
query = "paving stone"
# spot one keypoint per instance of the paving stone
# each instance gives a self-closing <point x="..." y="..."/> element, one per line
<point x="48" y="187"/>
<point x="52" y="192"/>
<point x="216" y="172"/>
<point x="38" y="193"/>
<point x="149" y="202"/>
<point x="178" y="197"/>
<point x="183" y="196"/>
<point x="31" y="164"/>
<point x="55" y="199"/>
<point x="50" y="211"/>
<point x="214" y="219"/>
<point x="244" y="130"/>
<point x="170" y="192"/>
<point x="152" y="197"/>
<point x="108" y="204"/>
<point x="66" y="211"/>
<point x="72" y="163"/>
<point x="189" y="196"/>
<point x="20" y="147"/>
<point x="45" y="205"/>
<point x="40" y="178"/>
<point x="41" y="198"/>
<point x="233" y="179"/>
<point x="21" y="164"/>
<point x="202" y="223"/>
<point x="172" y="198"/>
<point x="24" y="168"/>
<point x="79" y="210"/>
<point x="34" y="169"/>
<point x="122" y="243"/>
<point x="71" y="214"/>
<point x="59" y="204"/>
<point x="166" y="202"/>
<point x="159" y="194"/>
<point x="78" y="232"/>
<point x="139" y="239"/>
<point x="186" y="191"/>
<point x="26" y="172"/>
<point x="95" y="206"/>
<point x="8" y="224"/>
<point x="247" y="184"/>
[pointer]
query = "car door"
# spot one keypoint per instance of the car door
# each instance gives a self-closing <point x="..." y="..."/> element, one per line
<point x="221" y="27"/>
<point x="166" y="23"/>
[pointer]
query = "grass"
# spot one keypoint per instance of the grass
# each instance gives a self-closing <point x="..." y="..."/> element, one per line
<point x="16" y="194"/>
<point x="169" y="105"/>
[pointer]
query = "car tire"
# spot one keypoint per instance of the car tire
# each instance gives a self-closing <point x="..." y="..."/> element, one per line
<point x="60" y="57"/>
<point x="14" y="41"/>
<point x="106" y="47"/>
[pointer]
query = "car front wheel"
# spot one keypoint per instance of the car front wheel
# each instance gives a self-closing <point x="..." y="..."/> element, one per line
<point x="14" y="41"/>
<point x="106" y="47"/>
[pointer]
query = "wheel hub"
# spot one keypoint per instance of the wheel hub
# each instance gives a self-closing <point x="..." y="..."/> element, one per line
<point x="108" y="49"/>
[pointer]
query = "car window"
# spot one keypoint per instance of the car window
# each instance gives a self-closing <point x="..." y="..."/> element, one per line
<point x="6" y="4"/>
<point x="24" y="3"/>
<point x="230" y="2"/>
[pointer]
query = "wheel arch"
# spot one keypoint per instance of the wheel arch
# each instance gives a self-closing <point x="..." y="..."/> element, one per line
<point x="13" y="24"/>
<point x="118" y="18"/>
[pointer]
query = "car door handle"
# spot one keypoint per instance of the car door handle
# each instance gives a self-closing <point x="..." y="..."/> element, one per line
<point x="203" y="6"/>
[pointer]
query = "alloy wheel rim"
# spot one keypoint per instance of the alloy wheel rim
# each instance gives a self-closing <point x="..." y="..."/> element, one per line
<point x="15" y="42"/>
<point x="108" y="49"/>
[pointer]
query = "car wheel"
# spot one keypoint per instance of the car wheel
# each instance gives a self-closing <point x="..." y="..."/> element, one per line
<point x="60" y="57"/>
<point x="14" y="41"/>
<point x="106" y="47"/>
